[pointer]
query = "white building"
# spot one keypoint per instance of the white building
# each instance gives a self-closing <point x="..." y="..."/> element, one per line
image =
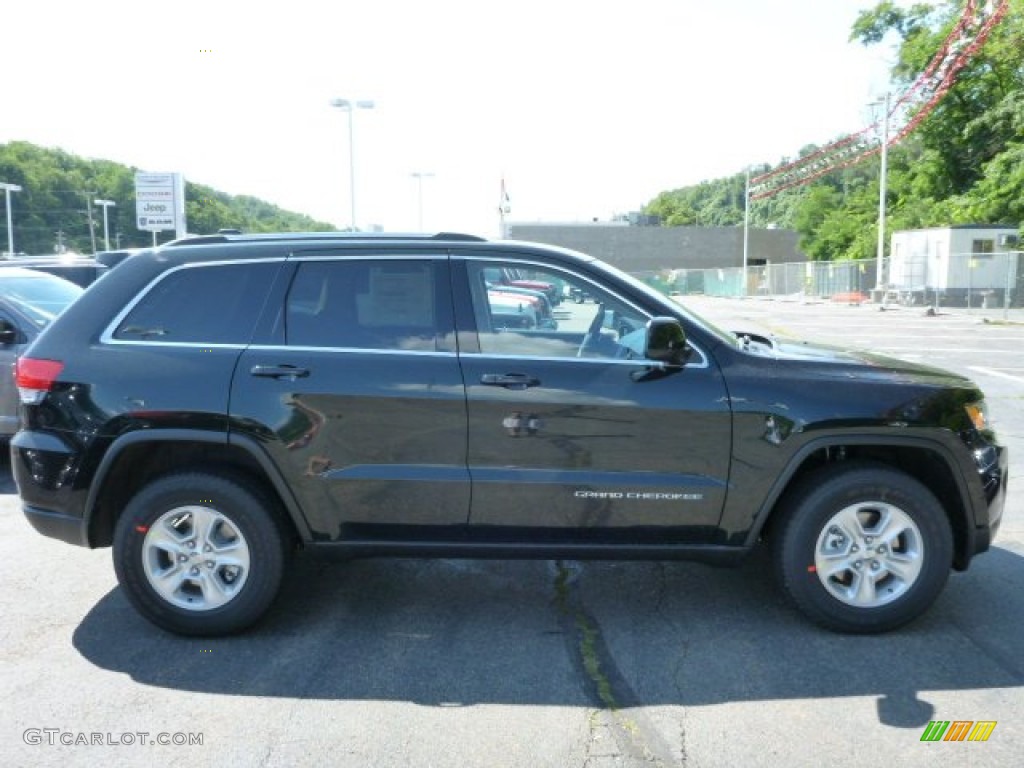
<point x="963" y="264"/>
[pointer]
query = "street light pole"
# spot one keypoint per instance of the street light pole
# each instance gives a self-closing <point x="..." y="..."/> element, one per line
<point x="883" y="173"/>
<point x="419" y="176"/>
<point x="746" y="229"/>
<point x="106" y="232"/>
<point x="8" y="188"/>
<point x="351" y="106"/>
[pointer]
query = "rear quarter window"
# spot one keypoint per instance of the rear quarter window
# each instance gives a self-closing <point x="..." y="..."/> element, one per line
<point x="202" y="304"/>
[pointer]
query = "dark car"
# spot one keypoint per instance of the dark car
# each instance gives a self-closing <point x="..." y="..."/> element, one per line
<point x="211" y="406"/>
<point x="81" y="270"/>
<point x="29" y="301"/>
<point x="111" y="259"/>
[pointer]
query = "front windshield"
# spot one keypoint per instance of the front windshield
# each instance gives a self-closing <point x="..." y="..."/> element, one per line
<point x="40" y="298"/>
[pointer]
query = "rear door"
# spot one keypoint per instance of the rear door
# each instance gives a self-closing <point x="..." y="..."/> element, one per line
<point x="571" y="432"/>
<point x="357" y="394"/>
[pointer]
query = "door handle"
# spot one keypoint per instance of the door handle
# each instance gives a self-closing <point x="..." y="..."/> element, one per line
<point x="509" y="380"/>
<point x="289" y="372"/>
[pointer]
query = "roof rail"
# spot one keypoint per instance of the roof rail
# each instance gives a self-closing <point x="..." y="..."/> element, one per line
<point x="314" y="236"/>
<point x="459" y="236"/>
<point x="197" y="240"/>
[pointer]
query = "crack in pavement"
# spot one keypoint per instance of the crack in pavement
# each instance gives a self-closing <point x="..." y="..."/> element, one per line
<point x="677" y="668"/>
<point x="635" y="737"/>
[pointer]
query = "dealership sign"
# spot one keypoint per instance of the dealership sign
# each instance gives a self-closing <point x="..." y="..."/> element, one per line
<point x="160" y="202"/>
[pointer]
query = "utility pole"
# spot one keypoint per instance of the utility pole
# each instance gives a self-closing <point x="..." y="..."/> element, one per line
<point x="8" y="188"/>
<point x="106" y="229"/>
<point x="92" y="224"/>
<point x="746" y="230"/>
<point x="883" y="172"/>
<point x="419" y="176"/>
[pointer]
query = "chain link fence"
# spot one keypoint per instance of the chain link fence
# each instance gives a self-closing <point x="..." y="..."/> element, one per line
<point x="971" y="280"/>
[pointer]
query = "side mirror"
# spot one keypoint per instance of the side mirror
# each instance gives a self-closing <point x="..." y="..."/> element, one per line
<point x="8" y="333"/>
<point x="666" y="341"/>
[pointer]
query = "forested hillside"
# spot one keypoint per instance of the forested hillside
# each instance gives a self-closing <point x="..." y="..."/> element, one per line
<point x="53" y="208"/>
<point x="963" y="165"/>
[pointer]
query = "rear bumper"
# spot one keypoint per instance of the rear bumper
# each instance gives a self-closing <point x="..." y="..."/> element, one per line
<point x="44" y="467"/>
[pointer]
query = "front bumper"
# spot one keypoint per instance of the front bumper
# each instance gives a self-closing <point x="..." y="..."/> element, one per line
<point x="994" y="471"/>
<point x="56" y="525"/>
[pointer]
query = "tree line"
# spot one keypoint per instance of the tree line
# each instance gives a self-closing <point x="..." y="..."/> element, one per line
<point x="963" y="165"/>
<point x="54" y="211"/>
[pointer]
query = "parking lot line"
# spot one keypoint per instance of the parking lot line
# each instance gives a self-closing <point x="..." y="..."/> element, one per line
<point x="1000" y="374"/>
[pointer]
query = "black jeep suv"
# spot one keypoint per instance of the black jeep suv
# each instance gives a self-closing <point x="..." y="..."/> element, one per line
<point x="213" y="405"/>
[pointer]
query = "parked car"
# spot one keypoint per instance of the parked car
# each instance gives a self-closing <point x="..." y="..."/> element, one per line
<point x="513" y="310"/>
<point x="519" y="277"/>
<point x="81" y="270"/>
<point x="111" y="259"/>
<point x="217" y="403"/>
<point x="29" y="301"/>
<point x="536" y="299"/>
<point x="578" y="295"/>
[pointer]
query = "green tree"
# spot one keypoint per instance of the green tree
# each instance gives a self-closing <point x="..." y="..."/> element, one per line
<point x="964" y="164"/>
<point x="58" y="188"/>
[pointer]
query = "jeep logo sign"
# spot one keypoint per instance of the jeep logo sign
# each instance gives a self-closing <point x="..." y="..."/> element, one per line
<point x="160" y="202"/>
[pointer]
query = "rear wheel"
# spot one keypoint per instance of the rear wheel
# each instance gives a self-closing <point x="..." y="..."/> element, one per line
<point x="862" y="548"/>
<point x="198" y="554"/>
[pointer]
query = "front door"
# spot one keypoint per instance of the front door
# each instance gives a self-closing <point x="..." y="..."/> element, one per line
<point x="571" y="433"/>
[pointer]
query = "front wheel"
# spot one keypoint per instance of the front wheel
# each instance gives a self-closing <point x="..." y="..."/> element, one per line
<point x="862" y="548"/>
<point x="198" y="554"/>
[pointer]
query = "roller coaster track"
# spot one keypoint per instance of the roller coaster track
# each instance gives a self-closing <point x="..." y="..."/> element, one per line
<point x="906" y="111"/>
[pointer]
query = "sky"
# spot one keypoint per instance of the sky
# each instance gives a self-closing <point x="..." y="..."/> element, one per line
<point x="586" y="109"/>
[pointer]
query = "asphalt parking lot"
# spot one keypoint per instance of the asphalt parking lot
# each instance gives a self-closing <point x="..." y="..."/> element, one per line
<point x="480" y="663"/>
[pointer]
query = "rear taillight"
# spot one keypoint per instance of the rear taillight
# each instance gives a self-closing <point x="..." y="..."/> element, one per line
<point x="35" y="378"/>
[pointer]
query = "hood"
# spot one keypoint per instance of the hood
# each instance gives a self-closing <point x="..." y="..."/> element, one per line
<point x="852" y="363"/>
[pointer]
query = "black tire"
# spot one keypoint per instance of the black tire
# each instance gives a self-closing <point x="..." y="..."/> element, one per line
<point x="221" y="590"/>
<point x="877" y="582"/>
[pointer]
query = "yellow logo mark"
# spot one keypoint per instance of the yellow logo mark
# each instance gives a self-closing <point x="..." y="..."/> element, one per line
<point x="982" y="730"/>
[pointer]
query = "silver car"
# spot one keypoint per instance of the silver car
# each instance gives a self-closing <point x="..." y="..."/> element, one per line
<point x="29" y="300"/>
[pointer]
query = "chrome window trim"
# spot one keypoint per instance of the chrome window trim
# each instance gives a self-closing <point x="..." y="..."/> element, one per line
<point x="602" y="360"/>
<point x="281" y="348"/>
<point x="417" y="352"/>
<point x="163" y="344"/>
<point x="362" y="350"/>
<point x="107" y="337"/>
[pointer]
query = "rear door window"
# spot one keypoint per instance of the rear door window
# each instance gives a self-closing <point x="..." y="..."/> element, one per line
<point x="386" y="304"/>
